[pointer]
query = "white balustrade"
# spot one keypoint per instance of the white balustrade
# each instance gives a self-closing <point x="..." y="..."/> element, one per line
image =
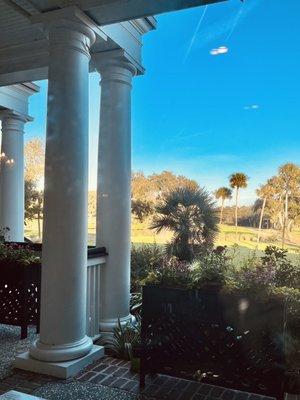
<point x="94" y="266"/>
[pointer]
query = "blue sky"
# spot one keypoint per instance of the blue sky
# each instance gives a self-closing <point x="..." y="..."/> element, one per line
<point x="190" y="111"/>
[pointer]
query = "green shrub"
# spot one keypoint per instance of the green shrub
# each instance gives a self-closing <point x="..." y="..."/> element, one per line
<point x="211" y="269"/>
<point x="144" y="259"/>
<point x="286" y="273"/>
<point x="13" y="253"/>
<point x="170" y="273"/>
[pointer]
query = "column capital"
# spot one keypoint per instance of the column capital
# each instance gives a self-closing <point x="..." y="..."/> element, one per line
<point x="13" y="121"/>
<point x="69" y="27"/>
<point x="115" y="65"/>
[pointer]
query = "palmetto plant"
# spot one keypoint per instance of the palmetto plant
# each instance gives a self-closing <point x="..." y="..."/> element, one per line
<point x="191" y="215"/>
<point x="125" y="340"/>
<point x="237" y="181"/>
<point x="223" y="193"/>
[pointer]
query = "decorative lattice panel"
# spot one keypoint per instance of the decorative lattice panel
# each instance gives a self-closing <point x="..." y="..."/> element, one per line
<point x="227" y="340"/>
<point x="20" y="294"/>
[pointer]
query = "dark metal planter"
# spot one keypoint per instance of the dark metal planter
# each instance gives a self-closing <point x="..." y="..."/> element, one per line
<point x="223" y="339"/>
<point x="20" y="295"/>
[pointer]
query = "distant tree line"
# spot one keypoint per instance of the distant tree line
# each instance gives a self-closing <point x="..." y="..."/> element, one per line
<point x="277" y="205"/>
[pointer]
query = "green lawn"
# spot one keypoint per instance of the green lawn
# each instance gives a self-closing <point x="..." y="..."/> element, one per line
<point x="246" y="238"/>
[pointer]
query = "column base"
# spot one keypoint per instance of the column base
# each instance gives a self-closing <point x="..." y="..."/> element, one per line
<point x="59" y="353"/>
<point x="64" y="370"/>
<point x="14" y="395"/>
<point x="106" y="326"/>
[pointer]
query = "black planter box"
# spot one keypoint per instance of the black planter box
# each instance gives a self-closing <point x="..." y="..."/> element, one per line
<point x="20" y="295"/>
<point x="228" y="340"/>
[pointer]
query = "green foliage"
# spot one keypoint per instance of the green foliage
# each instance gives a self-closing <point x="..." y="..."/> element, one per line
<point x="271" y="273"/>
<point x="153" y="187"/>
<point x="286" y="274"/>
<point x="136" y="303"/>
<point x="171" y="273"/>
<point x="211" y="269"/>
<point x="143" y="260"/>
<point x="238" y="180"/>
<point x="223" y="193"/>
<point x="141" y="209"/>
<point x="33" y="201"/>
<point x="12" y="253"/>
<point x="192" y="217"/>
<point x="125" y="340"/>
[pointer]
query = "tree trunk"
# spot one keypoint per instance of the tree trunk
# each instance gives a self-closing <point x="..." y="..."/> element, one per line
<point x="261" y="218"/>
<point x="236" y="211"/>
<point x="222" y="207"/>
<point x="285" y="217"/>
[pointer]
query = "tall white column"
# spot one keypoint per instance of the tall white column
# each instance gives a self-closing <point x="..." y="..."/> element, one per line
<point x="12" y="175"/>
<point x="63" y="294"/>
<point x="114" y="187"/>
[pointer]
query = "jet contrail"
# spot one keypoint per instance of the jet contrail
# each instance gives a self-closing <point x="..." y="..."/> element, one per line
<point x="194" y="35"/>
<point x="235" y="22"/>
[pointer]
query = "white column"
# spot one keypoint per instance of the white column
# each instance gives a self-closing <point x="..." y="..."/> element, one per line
<point x="12" y="175"/>
<point x="63" y="294"/>
<point x="114" y="187"/>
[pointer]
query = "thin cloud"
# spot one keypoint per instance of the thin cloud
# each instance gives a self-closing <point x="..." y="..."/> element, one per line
<point x="235" y="22"/>
<point x="252" y="107"/>
<point x="225" y="27"/>
<point x="220" y="50"/>
<point x="194" y="35"/>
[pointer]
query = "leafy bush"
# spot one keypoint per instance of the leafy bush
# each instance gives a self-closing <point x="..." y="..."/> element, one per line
<point x="171" y="273"/>
<point x="286" y="274"/>
<point x="211" y="268"/>
<point x="12" y="253"/>
<point x="144" y="259"/>
<point x="256" y="279"/>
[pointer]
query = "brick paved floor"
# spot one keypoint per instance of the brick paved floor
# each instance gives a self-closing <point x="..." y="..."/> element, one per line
<point x="116" y="373"/>
<point x="108" y="372"/>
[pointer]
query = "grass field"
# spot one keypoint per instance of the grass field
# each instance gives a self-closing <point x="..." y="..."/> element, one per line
<point x="246" y="238"/>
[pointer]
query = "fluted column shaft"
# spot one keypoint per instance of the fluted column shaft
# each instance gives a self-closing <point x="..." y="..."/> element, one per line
<point x="114" y="188"/>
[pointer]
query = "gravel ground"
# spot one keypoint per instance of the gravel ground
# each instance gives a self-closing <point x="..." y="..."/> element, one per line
<point x="11" y="345"/>
<point x="81" y="390"/>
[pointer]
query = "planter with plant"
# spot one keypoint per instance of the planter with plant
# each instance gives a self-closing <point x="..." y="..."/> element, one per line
<point x="224" y="324"/>
<point x="20" y="281"/>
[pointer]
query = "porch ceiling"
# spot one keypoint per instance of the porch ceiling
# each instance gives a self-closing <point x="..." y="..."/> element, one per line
<point x="16" y="28"/>
<point x="24" y="46"/>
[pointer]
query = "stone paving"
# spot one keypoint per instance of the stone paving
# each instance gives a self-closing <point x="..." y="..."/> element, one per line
<point x="106" y="379"/>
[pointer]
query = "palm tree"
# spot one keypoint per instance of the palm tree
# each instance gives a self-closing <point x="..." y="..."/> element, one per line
<point x="289" y="176"/>
<point x="237" y="181"/>
<point x="264" y="193"/>
<point x="223" y="193"/>
<point x="191" y="215"/>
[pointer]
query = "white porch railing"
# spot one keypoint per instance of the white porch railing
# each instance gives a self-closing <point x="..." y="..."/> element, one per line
<point x="93" y="292"/>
